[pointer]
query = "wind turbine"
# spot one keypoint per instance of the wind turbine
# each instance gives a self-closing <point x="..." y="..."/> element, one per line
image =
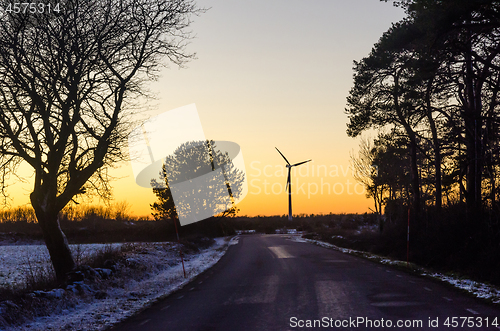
<point x="289" y="182"/>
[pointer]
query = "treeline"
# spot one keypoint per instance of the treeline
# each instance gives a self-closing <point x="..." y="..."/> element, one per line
<point x="18" y="214"/>
<point x="113" y="223"/>
<point x="308" y="223"/>
<point x="118" y="211"/>
<point x="431" y="87"/>
<point x="86" y="224"/>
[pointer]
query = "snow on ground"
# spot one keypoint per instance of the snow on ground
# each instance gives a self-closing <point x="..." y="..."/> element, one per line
<point x="18" y="261"/>
<point x="234" y="241"/>
<point x="480" y="290"/>
<point x="165" y="276"/>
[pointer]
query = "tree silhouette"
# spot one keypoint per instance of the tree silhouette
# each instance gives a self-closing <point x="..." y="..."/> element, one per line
<point x="214" y="183"/>
<point x="436" y="75"/>
<point x="366" y="172"/>
<point x="66" y="81"/>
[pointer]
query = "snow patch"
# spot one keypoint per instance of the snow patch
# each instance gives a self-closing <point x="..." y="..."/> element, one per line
<point x="298" y="239"/>
<point x="234" y="241"/>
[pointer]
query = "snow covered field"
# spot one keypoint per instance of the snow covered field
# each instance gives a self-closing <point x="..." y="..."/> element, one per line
<point x="164" y="275"/>
<point x="16" y="261"/>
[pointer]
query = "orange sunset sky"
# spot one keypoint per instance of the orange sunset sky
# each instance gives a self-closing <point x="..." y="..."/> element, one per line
<point x="271" y="73"/>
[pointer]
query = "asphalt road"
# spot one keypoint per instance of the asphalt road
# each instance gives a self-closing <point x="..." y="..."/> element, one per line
<point x="268" y="282"/>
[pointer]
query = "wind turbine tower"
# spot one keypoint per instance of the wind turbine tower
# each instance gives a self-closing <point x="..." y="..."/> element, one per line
<point x="289" y="182"/>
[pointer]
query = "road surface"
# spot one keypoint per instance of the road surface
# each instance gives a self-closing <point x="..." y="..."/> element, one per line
<point x="268" y="282"/>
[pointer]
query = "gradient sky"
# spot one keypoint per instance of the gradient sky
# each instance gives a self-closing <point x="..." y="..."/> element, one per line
<point x="273" y="73"/>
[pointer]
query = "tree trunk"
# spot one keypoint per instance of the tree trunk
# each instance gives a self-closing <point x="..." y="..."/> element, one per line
<point x="415" y="177"/>
<point x="493" y="191"/>
<point x="474" y="152"/>
<point x="437" y="166"/>
<point x="54" y="238"/>
<point x="473" y="133"/>
<point x="491" y="142"/>
<point x="437" y="149"/>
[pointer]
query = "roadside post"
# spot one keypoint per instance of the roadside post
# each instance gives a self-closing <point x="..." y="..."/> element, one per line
<point x="180" y="246"/>
<point x="408" y="240"/>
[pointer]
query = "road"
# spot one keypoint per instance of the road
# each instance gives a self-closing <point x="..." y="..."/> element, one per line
<point x="268" y="282"/>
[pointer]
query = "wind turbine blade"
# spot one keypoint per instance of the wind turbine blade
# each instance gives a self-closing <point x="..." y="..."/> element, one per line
<point x="282" y="155"/>
<point x="296" y="164"/>
<point x="288" y="179"/>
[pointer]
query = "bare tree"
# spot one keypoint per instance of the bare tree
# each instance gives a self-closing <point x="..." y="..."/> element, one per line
<point x="365" y="172"/>
<point x="67" y="77"/>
